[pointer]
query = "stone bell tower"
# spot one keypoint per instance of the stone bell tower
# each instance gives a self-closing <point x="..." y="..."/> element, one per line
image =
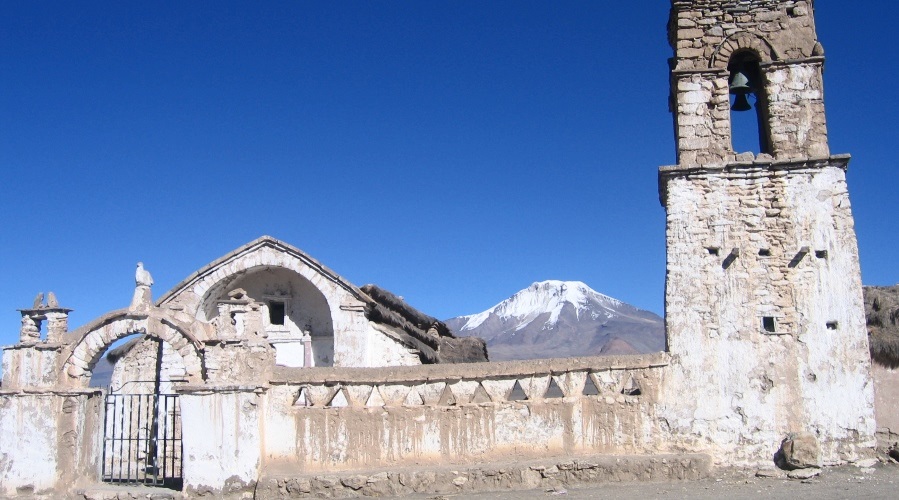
<point x="763" y="299"/>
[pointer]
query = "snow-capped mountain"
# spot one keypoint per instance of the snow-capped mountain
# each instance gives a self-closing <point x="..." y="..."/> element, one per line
<point x="552" y="319"/>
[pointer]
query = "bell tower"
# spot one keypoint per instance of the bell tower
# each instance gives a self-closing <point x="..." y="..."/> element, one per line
<point x="763" y="300"/>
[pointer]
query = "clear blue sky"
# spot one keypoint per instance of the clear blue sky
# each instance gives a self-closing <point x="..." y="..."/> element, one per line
<point x="452" y="152"/>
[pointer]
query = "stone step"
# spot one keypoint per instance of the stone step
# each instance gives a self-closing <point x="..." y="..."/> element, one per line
<point x="550" y="473"/>
<point x="131" y="492"/>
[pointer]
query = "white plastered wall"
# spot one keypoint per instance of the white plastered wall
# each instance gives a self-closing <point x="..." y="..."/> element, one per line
<point x="732" y="387"/>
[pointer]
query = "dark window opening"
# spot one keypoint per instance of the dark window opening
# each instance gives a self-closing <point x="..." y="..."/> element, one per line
<point x="821" y="254"/>
<point x="276" y="312"/>
<point x="748" y="117"/>
<point x="764" y="252"/>
<point x="713" y="250"/>
<point x="832" y="325"/>
<point x="768" y="324"/>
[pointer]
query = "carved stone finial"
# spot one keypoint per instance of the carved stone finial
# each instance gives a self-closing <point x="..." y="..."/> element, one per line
<point x="30" y="332"/>
<point x="38" y="301"/>
<point x="52" y="303"/>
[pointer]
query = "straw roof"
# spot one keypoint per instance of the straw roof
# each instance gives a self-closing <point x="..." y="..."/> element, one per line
<point x="432" y="338"/>
<point x="882" y="311"/>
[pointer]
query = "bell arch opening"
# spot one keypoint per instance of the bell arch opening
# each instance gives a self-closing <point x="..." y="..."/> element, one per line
<point x="277" y="304"/>
<point x="749" y="104"/>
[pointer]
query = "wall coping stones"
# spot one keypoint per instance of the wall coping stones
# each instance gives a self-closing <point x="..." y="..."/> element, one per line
<point x="462" y="371"/>
<point x="669" y="172"/>
<point x="203" y="390"/>
<point x="38" y="391"/>
<point x="40" y="346"/>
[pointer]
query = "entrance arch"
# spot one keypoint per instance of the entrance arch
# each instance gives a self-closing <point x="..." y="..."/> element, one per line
<point x="92" y="340"/>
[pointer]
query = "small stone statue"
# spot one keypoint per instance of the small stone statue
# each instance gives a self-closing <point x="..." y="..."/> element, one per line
<point x="38" y="301"/>
<point x="52" y="303"/>
<point x="142" y="276"/>
<point x="143" y="299"/>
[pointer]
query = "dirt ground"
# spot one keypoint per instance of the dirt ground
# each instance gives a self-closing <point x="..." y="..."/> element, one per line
<point x="837" y="483"/>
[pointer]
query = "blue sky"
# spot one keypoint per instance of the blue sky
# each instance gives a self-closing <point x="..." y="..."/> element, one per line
<point x="451" y="152"/>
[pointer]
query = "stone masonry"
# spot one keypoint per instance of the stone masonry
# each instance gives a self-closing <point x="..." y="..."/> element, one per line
<point x="764" y="312"/>
<point x="704" y="35"/>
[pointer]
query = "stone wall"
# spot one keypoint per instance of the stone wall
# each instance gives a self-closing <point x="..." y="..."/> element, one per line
<point x="48" y="439"/>
<point x="314" y="420"/>
<point x="764" y="310"/>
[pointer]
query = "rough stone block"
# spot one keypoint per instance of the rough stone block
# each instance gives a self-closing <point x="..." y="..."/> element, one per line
<point x="800" y="451"/>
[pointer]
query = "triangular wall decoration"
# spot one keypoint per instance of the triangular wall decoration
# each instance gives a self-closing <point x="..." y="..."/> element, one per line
<point x="339" y="400"/>
<point x="413" y="399"/>
<point x="590" y="388"/>
<point x="375" y="398"/>
<point x="553" y="390"/>
<point x="447" y="398"/>
<point x="498" y="389"/>
<point x="301" y="399"/>
<point x="480" y="395"/>
<point x="517" y="393"/>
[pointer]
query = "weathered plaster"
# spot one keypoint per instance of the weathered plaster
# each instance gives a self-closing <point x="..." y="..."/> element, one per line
<point x="222" y="438"/>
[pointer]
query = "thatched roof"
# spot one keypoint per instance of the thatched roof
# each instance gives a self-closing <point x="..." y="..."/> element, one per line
<point x="432" y="338"/>
<point x="882" y="311"/>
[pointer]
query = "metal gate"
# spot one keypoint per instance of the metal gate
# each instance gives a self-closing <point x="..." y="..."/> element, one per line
<point x="142" y="440"/>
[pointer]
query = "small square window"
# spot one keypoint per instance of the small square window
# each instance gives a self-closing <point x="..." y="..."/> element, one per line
<point x="276" y="311"/>
<point x="821" y="254"/>
<point x="768" y="324"/>
<point x="765" y="252"/>
<point x="713" y="250"/>
<point x="832" y="325"/>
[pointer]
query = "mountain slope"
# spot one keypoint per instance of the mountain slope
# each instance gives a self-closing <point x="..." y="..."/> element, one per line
<point x="552" y="319"/>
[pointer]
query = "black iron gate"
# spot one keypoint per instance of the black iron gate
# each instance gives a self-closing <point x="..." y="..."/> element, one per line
<point x="142" y="439"/>
<point x="142" y="428"/>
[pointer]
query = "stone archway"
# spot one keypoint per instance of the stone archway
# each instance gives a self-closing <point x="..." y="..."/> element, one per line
<point x="93" y="340"/>
<point x="743" y="41"/>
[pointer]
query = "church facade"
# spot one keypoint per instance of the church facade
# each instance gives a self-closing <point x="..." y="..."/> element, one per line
<point x="294" y="382"/>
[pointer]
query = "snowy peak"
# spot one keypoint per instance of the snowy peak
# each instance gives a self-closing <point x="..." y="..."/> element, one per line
<point x="557" y="319"/>
<point x="547" y="297"/>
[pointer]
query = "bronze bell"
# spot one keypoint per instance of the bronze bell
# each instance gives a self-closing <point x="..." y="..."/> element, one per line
<point x="739" y="86"/>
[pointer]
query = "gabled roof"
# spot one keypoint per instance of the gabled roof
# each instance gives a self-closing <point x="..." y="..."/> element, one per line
<point x="405" y="324"/>
<point x="261" y="242"/>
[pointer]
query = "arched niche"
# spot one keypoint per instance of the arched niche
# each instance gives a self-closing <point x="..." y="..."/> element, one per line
<point x="278" y="304"/>
<point x="749" y="122"/>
